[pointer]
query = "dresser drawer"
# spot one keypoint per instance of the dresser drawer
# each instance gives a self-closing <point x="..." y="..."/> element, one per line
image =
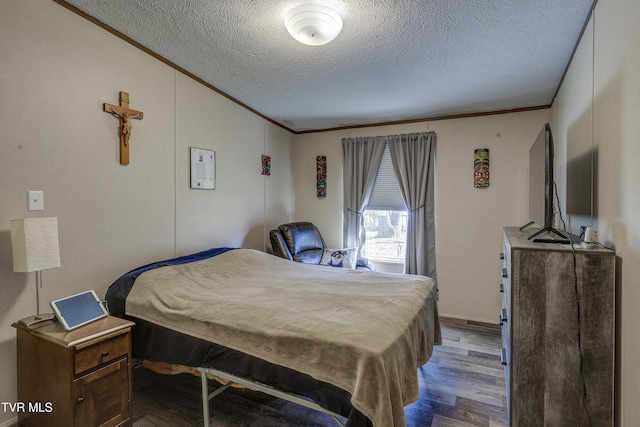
<point x="100" y="353"/>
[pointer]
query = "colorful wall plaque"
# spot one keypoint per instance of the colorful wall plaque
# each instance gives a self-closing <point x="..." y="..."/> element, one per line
<point x="266" y="165"/>
<point x="321" y="177"/>
<point x="481" y="168"/>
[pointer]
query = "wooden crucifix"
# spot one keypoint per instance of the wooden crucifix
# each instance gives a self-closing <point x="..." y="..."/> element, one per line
<point x="125" y="114"/>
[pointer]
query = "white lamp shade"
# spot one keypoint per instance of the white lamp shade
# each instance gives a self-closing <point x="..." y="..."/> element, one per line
<point x="313" y="24"/>
<point x="34" y="243"/>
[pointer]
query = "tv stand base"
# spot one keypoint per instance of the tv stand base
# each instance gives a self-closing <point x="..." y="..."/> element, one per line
<point x="563" y="237"/>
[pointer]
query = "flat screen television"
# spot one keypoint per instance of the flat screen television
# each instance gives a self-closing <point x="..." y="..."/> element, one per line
<point x="541" y="185"/>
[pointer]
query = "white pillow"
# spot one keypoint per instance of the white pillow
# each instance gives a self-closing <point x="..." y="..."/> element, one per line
<point x="344" y="258"/>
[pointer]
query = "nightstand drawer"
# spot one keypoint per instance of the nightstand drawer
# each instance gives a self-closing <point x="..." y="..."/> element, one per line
<point x="100" y="353"/>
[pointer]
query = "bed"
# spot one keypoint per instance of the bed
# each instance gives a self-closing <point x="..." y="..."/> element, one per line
<point x="349" y="340"/>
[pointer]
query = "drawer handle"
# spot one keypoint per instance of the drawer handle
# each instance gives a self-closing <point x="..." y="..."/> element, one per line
<point x="81" y="400"/>
<point x="503" y="315"/>
<point x="501" y="288"/>
<point x="505" y="275"/>
<point x="105" y="353"/>
<point x="503" y="356"/>
<point x="501" y="255"/>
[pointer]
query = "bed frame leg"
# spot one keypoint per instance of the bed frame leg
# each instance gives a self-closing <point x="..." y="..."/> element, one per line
<point x="205" y="398"/>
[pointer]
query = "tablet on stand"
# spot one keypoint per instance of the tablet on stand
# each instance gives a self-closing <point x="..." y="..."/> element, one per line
<point x="79" y="309"/>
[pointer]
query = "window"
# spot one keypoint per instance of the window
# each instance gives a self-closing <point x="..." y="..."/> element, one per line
<point x="386" y="235"/>
<point x="363" y="174"/>
<point x="385" y="219"/>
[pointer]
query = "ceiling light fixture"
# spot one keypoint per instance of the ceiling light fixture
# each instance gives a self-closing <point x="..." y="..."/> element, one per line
<point x="313" y="24"/>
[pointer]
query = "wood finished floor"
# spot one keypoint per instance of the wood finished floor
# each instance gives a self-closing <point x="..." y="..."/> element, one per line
<point x="462" y="386"/>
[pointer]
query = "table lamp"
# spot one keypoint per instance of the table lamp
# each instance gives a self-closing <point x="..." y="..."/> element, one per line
<point x="34" y="243"/>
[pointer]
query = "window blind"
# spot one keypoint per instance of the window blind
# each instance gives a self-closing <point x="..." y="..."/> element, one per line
<point x="386" y="193"/>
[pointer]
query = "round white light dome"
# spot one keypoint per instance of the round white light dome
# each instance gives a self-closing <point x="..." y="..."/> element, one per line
<point x="313" y="24"/>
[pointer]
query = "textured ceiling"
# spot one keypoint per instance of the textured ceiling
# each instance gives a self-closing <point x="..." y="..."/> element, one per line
<point x="394" y="60"/>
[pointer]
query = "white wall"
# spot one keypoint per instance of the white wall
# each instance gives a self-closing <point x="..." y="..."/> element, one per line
<point x="469" y="221"/>
<point x="56" y="71"/>
<point x="245" y="203"/>
<point x="598" y="102"/>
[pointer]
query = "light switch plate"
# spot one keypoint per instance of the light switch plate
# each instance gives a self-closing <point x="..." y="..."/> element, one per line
<point x="36" y="200"/>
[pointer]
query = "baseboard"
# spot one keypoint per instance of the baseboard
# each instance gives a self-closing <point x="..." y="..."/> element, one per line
<point x="468" y="319"/>
<point x="10" y="423"/>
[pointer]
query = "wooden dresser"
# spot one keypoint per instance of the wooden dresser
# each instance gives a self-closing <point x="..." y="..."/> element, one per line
<point x="558" y="332"/>
<point x="76" y="378"/>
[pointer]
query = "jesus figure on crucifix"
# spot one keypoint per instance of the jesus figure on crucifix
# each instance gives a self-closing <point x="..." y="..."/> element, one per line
<point x="125" y="114"/>
<point x="125" y="124"/>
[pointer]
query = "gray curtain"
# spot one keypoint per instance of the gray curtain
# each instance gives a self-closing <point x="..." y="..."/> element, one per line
<point x="361" y="158"/>
<point x="413" y="158"/>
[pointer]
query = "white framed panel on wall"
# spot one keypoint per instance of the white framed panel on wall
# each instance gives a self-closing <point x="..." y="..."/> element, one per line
<point x="203" y="169"/>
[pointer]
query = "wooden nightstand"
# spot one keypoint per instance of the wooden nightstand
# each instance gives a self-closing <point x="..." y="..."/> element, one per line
<point x="76" y="378"/>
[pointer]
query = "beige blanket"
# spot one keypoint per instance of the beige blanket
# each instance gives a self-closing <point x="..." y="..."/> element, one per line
<point x="364" y="332"/>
